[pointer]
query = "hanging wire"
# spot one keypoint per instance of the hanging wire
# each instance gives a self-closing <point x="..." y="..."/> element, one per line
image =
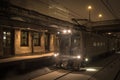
<point x="109" y="8"/>
<point x="74" y="14"/>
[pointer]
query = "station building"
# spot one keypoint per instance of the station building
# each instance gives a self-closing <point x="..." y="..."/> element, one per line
<point x="26" y="32"/>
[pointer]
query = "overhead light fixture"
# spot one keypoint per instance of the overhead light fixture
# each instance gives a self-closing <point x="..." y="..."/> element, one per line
<point x="58" y="32"/>
<point x="69" y="31"/>
<point x="64" y="31"/>
<point x="100" y="15"/>
<point x="89" y="7"/>
<point x="109" y="33"/>
<point x="86" y="59"/>
<point x="78" y="56"/>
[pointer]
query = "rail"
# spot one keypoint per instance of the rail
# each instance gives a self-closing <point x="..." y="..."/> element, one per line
<point x="105" y="66"/>
<point x="57" y="78"/>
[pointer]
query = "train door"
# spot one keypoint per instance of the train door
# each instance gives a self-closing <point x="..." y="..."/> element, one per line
<point x="8" y="42"/>
<point x="47" y="42"/>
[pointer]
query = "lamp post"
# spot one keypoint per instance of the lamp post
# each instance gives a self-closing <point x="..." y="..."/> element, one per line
<point x="89" y="9"/>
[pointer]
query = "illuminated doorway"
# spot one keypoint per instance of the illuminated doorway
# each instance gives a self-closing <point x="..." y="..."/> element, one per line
<point x="8" y="42"/>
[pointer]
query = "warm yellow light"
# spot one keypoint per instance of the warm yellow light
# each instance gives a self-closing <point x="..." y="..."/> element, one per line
<point x="69" y="31"/>
<point x="100" y="15"/>
<point x="89" y="7"/>
<point x="86" y="59"/>
<point x="78" y="57"/>
<point x="58" y="32"/>
<point x="91" y="69"/>
<point x="64" y="31"/>
<point x="109" y="33"/>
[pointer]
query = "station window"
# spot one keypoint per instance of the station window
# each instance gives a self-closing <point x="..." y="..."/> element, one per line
<point x="6" y="38"/>
<point x="24" y="38"/>
<point x="36" y="39"/>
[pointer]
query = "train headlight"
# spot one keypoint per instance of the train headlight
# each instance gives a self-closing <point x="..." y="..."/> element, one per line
<point x="79" y="57"/>
<point x="56" y="54"/>
<point x="86" y="59"/>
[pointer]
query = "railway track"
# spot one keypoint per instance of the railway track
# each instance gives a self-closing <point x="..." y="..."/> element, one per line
<point x="43" y="74"/>
<point x="111" y="66"/>
<point x="61" y="74"/>
<point x="117" y="77"/>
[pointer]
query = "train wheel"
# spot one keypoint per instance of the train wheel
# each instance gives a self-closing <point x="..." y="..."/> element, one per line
<point x="58" y="64"/>
<point x="62" y="64"/>
<point x="69" y="64"/>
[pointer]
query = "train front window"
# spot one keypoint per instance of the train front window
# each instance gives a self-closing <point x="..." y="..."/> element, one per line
<point x="65" y="45"/>
<point x="75" y="46"/>
<point x="69" y="45"/>
<point x="76" y="42"/>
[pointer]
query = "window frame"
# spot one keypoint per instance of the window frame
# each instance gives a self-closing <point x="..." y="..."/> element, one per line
<point x="38" y="38"/>
<point x="26" y="39"/>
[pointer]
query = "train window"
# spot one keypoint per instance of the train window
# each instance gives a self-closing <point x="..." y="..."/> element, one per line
<point x="36" y="39"/>
<point x="65" y="43"/>
<point x="98" y="44"/>
<point x="101" y="44"/>
<point x="94" y="44"/>
<point x="76" y="41"/>
<point x="24" y="38"/>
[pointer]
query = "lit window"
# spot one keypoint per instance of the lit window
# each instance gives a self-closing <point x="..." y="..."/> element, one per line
<point x="24" y="38"/>
<point x="36" y="39"/>
<point x="94" y="44"/>
<point x="6" y="38"/>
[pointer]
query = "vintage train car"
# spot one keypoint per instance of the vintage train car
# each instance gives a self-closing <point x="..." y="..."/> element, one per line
<point x="27" y="32"/>
<point x="77" y="47"/>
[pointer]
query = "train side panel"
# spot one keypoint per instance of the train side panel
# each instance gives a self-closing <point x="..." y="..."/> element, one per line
<point x="94" y="44"/>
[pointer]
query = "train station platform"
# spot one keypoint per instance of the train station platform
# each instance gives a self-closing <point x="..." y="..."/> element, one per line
<point x="22" y="58"/>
